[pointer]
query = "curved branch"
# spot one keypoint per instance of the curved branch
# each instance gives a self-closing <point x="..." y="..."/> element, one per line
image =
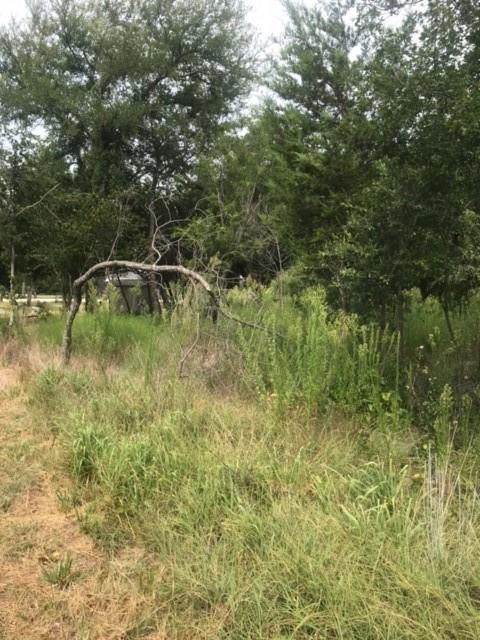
<point x="133" y="266"/>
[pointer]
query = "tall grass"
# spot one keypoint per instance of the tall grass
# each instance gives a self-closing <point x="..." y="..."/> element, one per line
<point x="436" y="366"/>
<point x="106" y="334"/>
<point x="305" y="358"/>
<point x="322" y="362"/>
<point x="261" y="517"/>
<point x="263" y="527"/>
<point x="315" y="479"/>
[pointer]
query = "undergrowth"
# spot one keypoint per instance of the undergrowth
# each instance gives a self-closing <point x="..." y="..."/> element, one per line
<point x="278" y="478"/>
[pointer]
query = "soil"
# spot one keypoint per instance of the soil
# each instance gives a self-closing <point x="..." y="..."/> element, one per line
<point x="37" y="538"/>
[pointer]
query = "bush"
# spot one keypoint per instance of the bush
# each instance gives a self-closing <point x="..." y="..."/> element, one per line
<point x="306" y="359"/>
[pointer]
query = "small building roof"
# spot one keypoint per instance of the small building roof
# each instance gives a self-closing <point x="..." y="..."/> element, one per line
<point x="126" y="278"/>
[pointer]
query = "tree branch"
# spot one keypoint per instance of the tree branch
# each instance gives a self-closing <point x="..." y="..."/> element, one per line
<point x="132" y="266"/>
<point x="39" y="201"/>
<point x="140" y="267"/>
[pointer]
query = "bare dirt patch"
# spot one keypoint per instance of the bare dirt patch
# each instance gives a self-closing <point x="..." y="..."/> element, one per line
<point x="54" y="583"/>
<point x="8" y="378"/>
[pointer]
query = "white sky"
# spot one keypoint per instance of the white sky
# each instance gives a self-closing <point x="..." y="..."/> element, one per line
<point x="9" y="8"/>
<point x="267" y="15"/>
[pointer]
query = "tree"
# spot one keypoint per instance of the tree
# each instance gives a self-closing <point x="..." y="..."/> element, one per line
<point x="324" y="140"/>
<point x="21" y="197"/>
<point x="234" y="230"/>
<point x="127" y="93"/>
<point x="378" y="135"/>
<point x="421" y="207"/>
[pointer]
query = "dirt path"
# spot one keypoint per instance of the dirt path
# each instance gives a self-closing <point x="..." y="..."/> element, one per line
<point x="54" y="583"/>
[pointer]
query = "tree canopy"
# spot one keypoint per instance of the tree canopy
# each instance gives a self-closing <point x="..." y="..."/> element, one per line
<point x="124" y="97"/>
<point x="359" y="171"/>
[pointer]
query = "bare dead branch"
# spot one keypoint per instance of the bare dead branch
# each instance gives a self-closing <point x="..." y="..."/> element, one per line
<point x="141" y="267"/>
<point x="80" y="282"/>
<point x="39" y="201"/>
<point x="245" y="323"/>
<point x="190" y="350"/>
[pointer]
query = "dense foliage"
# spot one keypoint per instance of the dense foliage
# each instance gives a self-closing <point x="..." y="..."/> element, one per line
<point x="359" y="171"/>
<point x="123" y="98"/>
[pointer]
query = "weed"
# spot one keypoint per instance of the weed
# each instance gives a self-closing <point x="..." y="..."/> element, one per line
<point x="46" y="387"/>
<point x="62" y="574"/>
<point x="307" y="360"/>
<point x="68" y="499"/>
<point x="87" y="446"/>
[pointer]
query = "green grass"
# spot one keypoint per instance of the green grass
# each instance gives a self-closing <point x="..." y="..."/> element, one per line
<point x="104" y="333"/>
<point x="284" y="491"/>
<point x="275" y="529"/>
<point x="61" y="574"/>
<point x="306" y="359"/>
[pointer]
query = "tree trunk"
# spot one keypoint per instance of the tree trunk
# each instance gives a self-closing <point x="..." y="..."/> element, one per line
<point x="67" y="332"/>
<point x="13" y="302"/>
<point x="67" y="291"/>
<point x="152" y="293"/>
<point x="382" y="316"/>
<point x="153" y="298"/>
<point x="448" y="320"/>
<point x="88" y="306"/>
<point x="400" y="324"/>
<point x="124" y="295"/>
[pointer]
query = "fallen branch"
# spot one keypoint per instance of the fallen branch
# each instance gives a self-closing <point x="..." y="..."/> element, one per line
<point x="190" y="349"/>
<point x="247" y="323"/>
<point x="80" y="282"/>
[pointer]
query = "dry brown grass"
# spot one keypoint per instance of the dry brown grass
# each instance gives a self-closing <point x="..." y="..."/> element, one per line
<point x="105" y="600"/>
<point x="19" y="361"/>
